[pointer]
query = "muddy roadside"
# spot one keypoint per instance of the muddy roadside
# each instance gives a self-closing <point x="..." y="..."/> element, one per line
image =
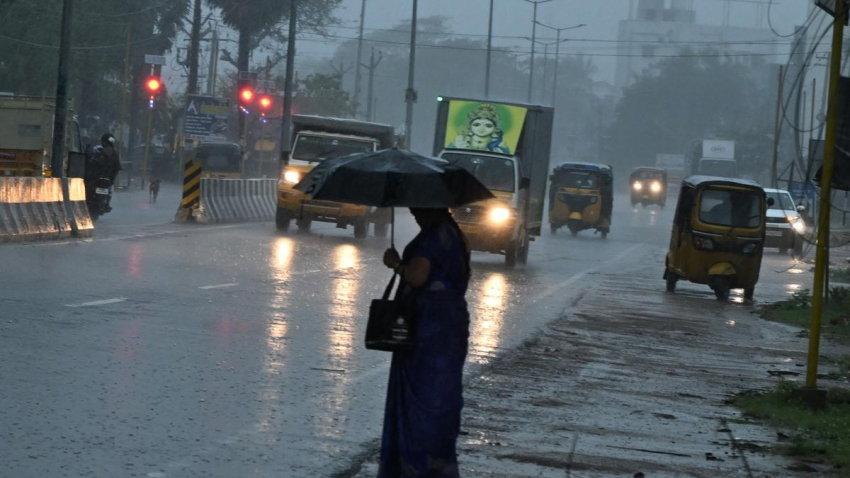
<point x="631" y="381"/>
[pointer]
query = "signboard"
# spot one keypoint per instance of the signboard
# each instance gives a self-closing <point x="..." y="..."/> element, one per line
<point x="206" y="118"/>
<point x="154" y="60"/>
<point x="718" y="149"/>
<point x="484" y="126"/>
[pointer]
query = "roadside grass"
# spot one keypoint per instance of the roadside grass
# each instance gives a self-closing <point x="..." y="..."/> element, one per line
<point x="815" y="435"/>
<point x="797" y="310"/>
<point x="840" y="275"/>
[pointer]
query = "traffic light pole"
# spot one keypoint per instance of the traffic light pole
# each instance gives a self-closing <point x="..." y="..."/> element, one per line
<point x="815" y="397"/>
<point x="60" y="116"/>
<point x="147" y="149"/>
<point x="410" y="94"/>
<point x="286" y="130"/>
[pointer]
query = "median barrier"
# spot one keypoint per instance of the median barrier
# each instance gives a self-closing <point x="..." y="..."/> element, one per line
<point x="237" y="200"/>
<point x="38" y="209"/>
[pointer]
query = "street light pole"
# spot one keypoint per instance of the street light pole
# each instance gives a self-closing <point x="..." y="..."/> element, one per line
<point x="410" y="94"/>
<point x="359" y="57"/>
<point x="285" y="139"/>
<point x="489" y="52"/>
<point x="558" y="53"/>
<point x="60" y="115"/>
<point x="533" y="40"/>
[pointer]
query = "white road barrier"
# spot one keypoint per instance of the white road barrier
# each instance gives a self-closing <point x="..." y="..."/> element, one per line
<point x="38" y="209"/>
<point x="237" y="200"/>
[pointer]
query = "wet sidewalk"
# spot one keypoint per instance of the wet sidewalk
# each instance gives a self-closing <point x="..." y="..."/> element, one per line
<point x="630" y="381"/>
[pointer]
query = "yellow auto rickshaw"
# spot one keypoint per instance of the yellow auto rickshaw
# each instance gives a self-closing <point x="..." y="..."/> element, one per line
<point x="648" y="186"/>
<point x="581" y="196"/>
<point x="718" y="235"/>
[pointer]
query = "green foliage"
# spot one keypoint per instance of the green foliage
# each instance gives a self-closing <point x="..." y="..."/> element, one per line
<point x="797" y="311"/>
<point x="815" y="434"/>
<point x="322" y="95"/>
<point x="680" y="101"/>
<point x="840" y="275"/>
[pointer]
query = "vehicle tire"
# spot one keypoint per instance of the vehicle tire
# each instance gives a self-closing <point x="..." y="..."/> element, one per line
<point x="573" y="231"/>
<point x="721" y="288"/>
<point x="553" y="229"/>
<point x="282" y="218"/>
<point x="783" y="250"/>
<point x="361" y="230"/>
<point x="303" y="224"/>
<point x="749" y="292"/>
<point x="643" y="204"/>
<point x="94" y="217"/>
<point x="604" y="234"/>
<point x="672" y="279"/>
<point x="511" y="254"/>
<point x="381" y="229"/>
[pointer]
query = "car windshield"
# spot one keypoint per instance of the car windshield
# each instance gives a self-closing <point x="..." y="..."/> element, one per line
<point x="578" y="179"/>
<point x="309" y="147"/>
<point x="728" y="207"/>
<point x="647" y="176"/>
<point x="724" y="168"/>
<point x="495" y="173"/>
<point x="782" y="201"/>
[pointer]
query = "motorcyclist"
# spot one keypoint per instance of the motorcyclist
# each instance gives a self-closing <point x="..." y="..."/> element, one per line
<point x="104" y="164"/>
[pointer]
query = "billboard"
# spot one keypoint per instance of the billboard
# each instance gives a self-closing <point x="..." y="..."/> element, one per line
<point x="718" y="149"/>
<point x="484" y="126"/>
<point x="206" y="118"/>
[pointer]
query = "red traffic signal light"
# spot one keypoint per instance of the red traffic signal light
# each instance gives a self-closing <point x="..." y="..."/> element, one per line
<point x="246" y="96"/>
<point x="265" y="102"/>
<point x="153" y="85"/>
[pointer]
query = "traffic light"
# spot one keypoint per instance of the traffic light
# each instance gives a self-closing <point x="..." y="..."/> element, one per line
<point x="246" y="91"/>
<point x="153" y="85"/>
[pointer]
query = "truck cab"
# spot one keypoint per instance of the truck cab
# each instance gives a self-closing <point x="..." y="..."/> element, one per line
<point x="316" y="139"/>
<point x="718" y="167"/>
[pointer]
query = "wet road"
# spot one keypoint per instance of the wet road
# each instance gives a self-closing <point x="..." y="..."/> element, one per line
<point x="164" y="350"/>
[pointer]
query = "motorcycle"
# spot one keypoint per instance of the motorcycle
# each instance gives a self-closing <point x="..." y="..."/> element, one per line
<point x="98" y="199"/>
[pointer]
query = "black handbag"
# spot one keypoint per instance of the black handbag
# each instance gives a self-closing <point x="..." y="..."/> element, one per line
<point x="391" y="323"/>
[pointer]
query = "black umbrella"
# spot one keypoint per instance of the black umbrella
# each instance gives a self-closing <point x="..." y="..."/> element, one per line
<point x="393" y="178"/>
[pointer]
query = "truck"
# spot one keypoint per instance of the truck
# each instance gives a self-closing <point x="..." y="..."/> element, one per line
<point x="315" y="139"/>
<point x="718" y="159"/>
<point x="506" y="146"/>
<point x="26" y="136"/>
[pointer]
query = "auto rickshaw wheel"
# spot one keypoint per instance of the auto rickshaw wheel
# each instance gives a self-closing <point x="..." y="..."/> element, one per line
<point x="522" y="254"/>
<point x="749" y="292"/>
<point x="361" y="229"/>
<point x="303" y="224"/>
<point x="798" y="247"/>
<point x="553" y="229"/>
<point x="282" y="220"/>
<point x="604" y="234"/>
<point x="672" y="279"/>
<point x="381" y="229"/>
<point x="721" y="288"/>
<point x="511" y="254"/>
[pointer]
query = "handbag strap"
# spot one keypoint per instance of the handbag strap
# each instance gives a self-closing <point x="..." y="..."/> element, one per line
<point x="390" y="286"/>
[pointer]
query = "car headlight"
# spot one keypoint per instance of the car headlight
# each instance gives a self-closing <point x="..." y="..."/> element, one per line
<point x="637" y="186"/>
<point x="291" y="177"/>
<point x="655" y="187"/>
<point x="797" y="224"/>
<point x="500" y="214"/>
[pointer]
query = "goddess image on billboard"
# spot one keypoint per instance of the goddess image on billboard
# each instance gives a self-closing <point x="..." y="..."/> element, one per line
<point x="484" y="126"/>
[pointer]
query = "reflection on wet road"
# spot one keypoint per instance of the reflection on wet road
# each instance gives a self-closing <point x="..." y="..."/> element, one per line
<point x="238" y="351"/>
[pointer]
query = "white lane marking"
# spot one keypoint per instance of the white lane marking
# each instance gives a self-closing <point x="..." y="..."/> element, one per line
<point x="218" y="286"/>
<point x="98" y="302"/>
<point x="187" y="230"/>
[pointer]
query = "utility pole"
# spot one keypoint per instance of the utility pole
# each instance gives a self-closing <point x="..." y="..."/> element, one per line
<point x="211" y="76"/>
<point x="194" y="47"/>
<point x="341" y="70"/>
<point x="777" y="128"/>
<point x="60" y="115"/>
<point x="122" y="147"/>
<point x="359" y="59"/>
<point x="815" y="396"/>
<point x="558" y="53"/>
<point x="373" y="65"/>
<point x="285" y="140"/>
<point x="489" y="53"/>
<point x="533" y="41"/>
<point x="410" y="94"/>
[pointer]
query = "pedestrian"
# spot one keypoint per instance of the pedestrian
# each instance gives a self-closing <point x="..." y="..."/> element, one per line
<point x="424" y="396"/>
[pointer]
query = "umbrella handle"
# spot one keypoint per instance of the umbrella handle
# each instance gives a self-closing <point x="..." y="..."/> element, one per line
<point x="392" y="228"/>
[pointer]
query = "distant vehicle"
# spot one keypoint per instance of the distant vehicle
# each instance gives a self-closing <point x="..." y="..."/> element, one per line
<point x="220" y="160"/>
<point x="26" y="136"/>
<point x="718" y="235"/>
<point x="581" y="196"/>
<point x="506" y="146"/>
<point x="785" y="227"/>
<point x="724" y="168"/>
<point x="648" y="186"/>
<point x="315" y="139"/>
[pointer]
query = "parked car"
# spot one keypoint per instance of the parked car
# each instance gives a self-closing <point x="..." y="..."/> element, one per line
<point x="785" y="226"/>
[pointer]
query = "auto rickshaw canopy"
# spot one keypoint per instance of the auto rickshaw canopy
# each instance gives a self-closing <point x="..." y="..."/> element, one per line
<point x="648" y="173"/>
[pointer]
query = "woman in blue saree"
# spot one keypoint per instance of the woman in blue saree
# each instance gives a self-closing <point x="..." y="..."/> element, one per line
<point x="424" y="396"/>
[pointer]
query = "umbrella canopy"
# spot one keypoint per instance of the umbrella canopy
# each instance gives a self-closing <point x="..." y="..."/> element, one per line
<point x="393" y="178"/>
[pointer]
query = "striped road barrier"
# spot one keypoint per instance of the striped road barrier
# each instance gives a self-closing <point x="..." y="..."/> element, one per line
<point x="237" y="200"/>
<point x="38" y="209"/>
<point x="191" y="191"/>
